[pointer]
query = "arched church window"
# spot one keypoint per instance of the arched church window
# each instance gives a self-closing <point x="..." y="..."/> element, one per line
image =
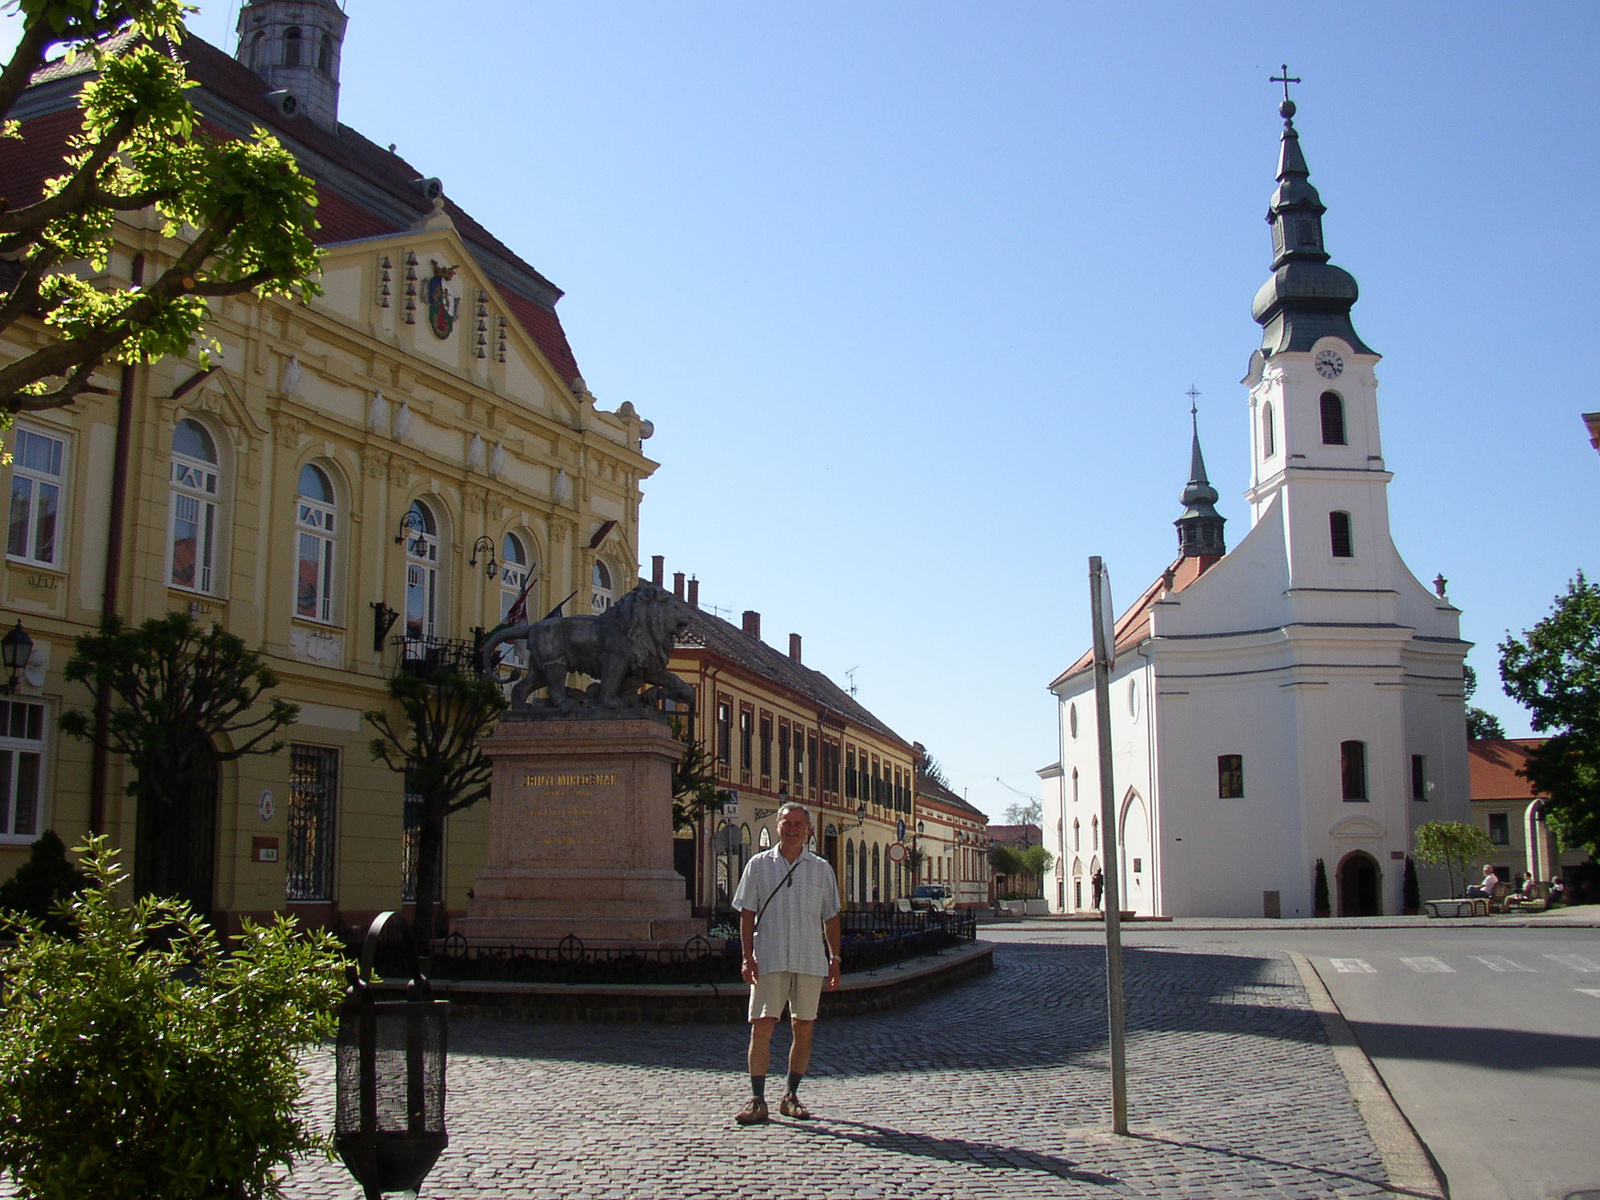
<point x="257" y="45"/>
<point x="1332" y="419"/>
<point x="1339" y="535"/>
<point x="1269" y="434"/>
<point x="325" y="54"/>
<point x="291" y="47"/>
<point x="1353" y="770"/>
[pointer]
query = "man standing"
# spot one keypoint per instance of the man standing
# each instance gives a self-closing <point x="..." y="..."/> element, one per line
<point x="788" y="902"/>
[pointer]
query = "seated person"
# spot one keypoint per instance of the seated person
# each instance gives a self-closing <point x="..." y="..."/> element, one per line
<point x="1557" y="890"/>
<point x="1484" y="888"/>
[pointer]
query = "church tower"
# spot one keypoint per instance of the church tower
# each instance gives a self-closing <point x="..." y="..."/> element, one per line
<point x="1200" y="527"/>
<point x="295" y="46"/>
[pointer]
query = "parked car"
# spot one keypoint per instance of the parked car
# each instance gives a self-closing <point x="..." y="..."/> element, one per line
<point x="933" y="896"/>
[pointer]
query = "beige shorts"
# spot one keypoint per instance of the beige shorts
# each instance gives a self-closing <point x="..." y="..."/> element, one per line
<point x="775" y="989"/>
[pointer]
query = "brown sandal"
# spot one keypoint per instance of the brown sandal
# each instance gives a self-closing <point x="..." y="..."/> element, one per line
<point x="790" y="1106"/>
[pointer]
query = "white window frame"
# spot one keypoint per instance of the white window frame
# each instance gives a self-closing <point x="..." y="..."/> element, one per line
<point x="602" y="595"/>
<point x="12" y="751"/>
<point x="316" y="535"/>
<point x="422" y="572"/>
<point x="196" y="483"/>
<point x="38" y="481"/>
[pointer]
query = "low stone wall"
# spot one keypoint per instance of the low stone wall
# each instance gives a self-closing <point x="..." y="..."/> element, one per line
<point x="708" y="1003"/>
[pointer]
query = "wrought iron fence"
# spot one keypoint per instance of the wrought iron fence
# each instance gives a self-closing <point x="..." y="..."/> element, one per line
<point x="425" y="655"/>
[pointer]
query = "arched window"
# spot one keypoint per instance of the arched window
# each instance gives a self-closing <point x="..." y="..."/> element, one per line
<point x="1094" y="834"/>
<point x="515" y="569"/>
<point x="325" y="54"/>
<point x="1269" y="434"/>
<point x="1077" y="836"/>
<point x="196" y="485"/>
<point x="1074" y="786"/>
<point x="316" y="530"/>
<point x="1353" y="770"/>
<point x="849" y="869"/>
<point x="601" y="594"/>
<point x="1339" y="535"/>
<point x="1332" y="419"/>
<point x="291" y="47"/>
<point x="861" y="875"/>
<point x="876" y="893"/>
<point x="422" y="572"/>
<point x="257" y="45"/>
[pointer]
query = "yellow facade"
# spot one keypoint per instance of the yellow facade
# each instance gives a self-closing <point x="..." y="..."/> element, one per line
<point x="774" y="730"/>
<point x="482" y="432"/>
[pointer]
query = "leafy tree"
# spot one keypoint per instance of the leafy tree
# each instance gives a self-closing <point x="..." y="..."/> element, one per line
<point x="186" y="695"/>
<point x="694" y="781"/>
<point x="1555" y="674"/>
<point x="241" y="206"/>
<point x="436" y="745"/>
<point x="915" y="858"/>
<point x="1452" y="845"/>
<point x="42" y="883"/>
<point x="137" y="1059"/>
<point x="1035" y="861"/>
<point x="1482" y="725"/>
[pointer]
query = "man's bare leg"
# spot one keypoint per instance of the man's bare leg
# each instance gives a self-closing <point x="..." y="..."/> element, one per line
<point x="755" y="1112"/>
<point x="799" y="1060"/>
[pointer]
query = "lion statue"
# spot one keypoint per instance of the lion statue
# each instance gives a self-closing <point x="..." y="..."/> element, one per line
<point x="624" y="650"/>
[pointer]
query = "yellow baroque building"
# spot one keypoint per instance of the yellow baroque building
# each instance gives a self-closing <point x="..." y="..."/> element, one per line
<point x="776" y="729"/>
<point x="360" y="481"/>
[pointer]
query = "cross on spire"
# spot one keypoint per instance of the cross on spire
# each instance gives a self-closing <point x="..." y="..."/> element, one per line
<point x="1286" y="79"/>
<point x="1194" y="394"/>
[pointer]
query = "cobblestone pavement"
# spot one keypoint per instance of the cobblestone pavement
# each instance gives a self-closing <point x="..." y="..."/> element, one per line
<point x="997" y="1088"/>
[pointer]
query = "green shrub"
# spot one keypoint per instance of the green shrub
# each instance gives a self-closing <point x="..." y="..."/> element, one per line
<point x="137" y="1060"/>
<point x="43" y="882"/>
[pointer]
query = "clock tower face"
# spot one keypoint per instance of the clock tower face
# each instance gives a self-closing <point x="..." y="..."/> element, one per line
<point x="1329" y="364"/>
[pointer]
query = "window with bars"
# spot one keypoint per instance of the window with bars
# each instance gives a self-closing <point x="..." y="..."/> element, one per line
<point x="22" y="753"/>
<point x="313" y="817"/>
<point x="38" y="476"/>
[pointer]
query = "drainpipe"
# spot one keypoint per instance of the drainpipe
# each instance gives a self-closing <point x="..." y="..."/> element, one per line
<point x="99" y="769"/>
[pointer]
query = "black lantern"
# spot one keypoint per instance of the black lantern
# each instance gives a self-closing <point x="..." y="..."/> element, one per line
<point x="389" y="1119"/>
<point x="16" y="648"/>
<point x="485" y="546"/>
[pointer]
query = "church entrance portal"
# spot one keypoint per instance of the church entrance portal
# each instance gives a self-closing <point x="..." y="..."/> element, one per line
<point x="1358" y="886"/>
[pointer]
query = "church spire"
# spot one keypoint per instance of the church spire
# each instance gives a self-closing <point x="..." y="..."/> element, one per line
<point x="1307" y="297"/>
<point x="1200" y="527"/>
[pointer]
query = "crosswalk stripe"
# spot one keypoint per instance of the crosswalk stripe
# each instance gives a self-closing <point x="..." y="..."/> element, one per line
<point x="1576" y="961"/>
<point x="1595" y="992"/>
<point x="1353" y="966"/>
<point x="1428" y="966"/>
<point x="1496" y="963"/>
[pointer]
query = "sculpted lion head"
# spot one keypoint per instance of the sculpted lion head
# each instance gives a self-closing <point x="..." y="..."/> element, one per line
<point x="650" y="618"/>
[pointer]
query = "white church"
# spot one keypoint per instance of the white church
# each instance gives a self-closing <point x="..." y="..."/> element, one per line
<point x="1298" y="699"/>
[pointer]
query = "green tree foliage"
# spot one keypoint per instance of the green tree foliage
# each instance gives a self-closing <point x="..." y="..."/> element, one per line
<point x="1482" y="725"/>
<point x="137" y="1059"/>
<point x="1035" y="861"/>
<point x="241" y="207"/>
<point x="185" y="694"/>
<point x="44" y="882"/>
<point x="694" y="781"/>
<point x="1555" y="674"/>
<point x="436" y="744"/>
<point x="1452" y="845"/>
<point x="1005" y="860"/>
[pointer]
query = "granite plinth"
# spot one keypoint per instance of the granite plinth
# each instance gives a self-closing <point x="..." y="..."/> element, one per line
<point x="580" y="836"/>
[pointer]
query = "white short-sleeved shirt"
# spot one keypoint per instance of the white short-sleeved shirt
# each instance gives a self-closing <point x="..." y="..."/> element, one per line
<point x="789" y="935"/>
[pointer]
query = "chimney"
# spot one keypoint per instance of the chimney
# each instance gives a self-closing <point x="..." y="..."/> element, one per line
<point x="677" y="584"/>
<point x="794" y="646"/>
<point x="694" y="593"/>
<point x="752" y="623"/>
<point x="658" y="568"/>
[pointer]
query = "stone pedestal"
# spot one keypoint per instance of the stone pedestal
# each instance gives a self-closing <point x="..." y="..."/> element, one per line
<point x="580" y="835"/>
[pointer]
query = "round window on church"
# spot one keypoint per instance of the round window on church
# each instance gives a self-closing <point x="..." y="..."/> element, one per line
<point x="1133" y="698"/>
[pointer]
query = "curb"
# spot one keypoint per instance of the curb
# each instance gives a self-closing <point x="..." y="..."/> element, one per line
<point x="1410" y="1165"/>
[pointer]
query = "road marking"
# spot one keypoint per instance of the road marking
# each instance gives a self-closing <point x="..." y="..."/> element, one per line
<point x="1495" y="963"/>
<point x="1595" y="992"/>
<point x="1353" y="966"/>
<point x="1428" y="966"/>
<point x="1576" y="961"/>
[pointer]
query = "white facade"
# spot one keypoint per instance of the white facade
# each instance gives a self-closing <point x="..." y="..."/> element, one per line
<point x="1307" y="648"/>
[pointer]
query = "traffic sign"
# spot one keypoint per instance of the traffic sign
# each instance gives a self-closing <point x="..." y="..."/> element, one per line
<point x="897" y="852"/>
<point x="900" y="831"/>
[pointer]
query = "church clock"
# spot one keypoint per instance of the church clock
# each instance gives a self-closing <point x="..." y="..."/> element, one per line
<point x="1329" y="364"/>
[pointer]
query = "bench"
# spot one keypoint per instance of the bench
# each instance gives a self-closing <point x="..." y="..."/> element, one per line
<point x="1535" y="901"/>
<point x="1467" y="906"/>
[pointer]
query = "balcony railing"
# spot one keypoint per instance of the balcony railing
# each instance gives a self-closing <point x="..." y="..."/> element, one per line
<point x="426" y="655"/>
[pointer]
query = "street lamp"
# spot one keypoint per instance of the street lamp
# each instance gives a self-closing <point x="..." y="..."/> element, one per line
<point x="916" y="862"/>
<point x="16" y="648"/>
<point x="861" y="819"/>
<point x="485" y="546"/>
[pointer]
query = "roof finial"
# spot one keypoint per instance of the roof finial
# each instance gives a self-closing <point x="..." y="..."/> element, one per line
<point x="1286" y="109"/>
<point x="1194" y="394"/>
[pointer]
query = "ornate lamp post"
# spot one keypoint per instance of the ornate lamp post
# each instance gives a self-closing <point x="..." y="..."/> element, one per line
<point x="15" y="650"/>
<point x="389" y="1119"/>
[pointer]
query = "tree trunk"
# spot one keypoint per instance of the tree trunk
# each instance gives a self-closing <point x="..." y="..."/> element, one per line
<point x="430" y="837"/>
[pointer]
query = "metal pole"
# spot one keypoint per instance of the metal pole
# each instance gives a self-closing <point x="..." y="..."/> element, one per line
<point x="1108" y="844"/>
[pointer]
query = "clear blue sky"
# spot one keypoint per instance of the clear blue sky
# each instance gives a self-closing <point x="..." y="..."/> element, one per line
<point x="913" y="293"/>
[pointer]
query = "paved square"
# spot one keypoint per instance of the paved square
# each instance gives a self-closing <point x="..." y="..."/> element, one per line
<point x="998" y="1088"/>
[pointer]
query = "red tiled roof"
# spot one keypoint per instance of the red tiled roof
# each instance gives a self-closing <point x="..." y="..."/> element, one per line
<point x="27" y="162"/>
<point x="1492" y="768"/>
<point x="544" y="327"/>
<point x="1133" y="626"/>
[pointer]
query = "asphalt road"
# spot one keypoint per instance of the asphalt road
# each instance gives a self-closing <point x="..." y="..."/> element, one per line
<point x="1488" y="1038"/>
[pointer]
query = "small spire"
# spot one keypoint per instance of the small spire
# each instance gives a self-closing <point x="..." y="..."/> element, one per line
<point x="1200" y="526"/>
